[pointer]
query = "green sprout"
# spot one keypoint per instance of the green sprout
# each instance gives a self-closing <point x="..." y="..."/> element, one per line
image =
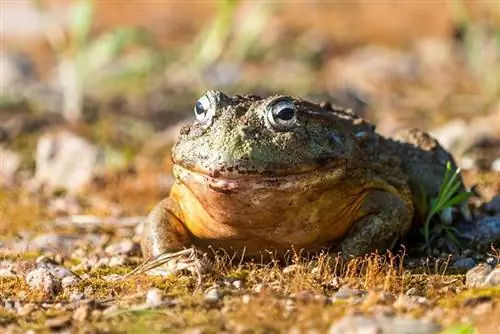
<point x="83" y="58"/>
<point x="447" y="198"/>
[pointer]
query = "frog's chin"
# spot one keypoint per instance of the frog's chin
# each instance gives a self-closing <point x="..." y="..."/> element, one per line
<point x="230" y="184"/>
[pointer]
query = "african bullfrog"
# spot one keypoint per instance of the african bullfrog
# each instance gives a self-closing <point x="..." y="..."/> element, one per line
<point x="259" y="174"/>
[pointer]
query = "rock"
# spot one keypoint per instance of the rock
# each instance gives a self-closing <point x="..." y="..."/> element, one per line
<point x="346" y="292"/>
<point x="7" y="270"/>
<point x="407" y="302"/>
<point x="117" y="261"/>
<point x="52" y="242"/>
<point x="124" y="247"/>
<point x="42" y="279"/>
<point x="154" y="297"/>
<point x="382" y="325"/>
<point x="237" y="284"/>
<point x="477" y="276"/>
<point x="10" y="162"/>
<point x="55" y="269"/>
<point x="464" y="263"/>
<point x="65" y="160"/>
<point x="69" y="281"/>
<point x="213" y="296"/>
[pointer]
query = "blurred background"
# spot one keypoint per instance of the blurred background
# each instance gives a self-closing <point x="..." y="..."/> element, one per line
<point x="93" y="93"/>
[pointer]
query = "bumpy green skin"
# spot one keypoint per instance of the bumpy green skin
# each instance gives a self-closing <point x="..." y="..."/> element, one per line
<point x="330" y="174"/>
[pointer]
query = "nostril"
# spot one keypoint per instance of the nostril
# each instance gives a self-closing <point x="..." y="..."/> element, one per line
<point x="248" y="133"/>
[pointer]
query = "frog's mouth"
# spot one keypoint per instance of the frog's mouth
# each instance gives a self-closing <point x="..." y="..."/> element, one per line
<point x="232" y="182"/>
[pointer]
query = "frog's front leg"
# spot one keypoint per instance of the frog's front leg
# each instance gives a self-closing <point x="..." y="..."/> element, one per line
<point x="384" y="218"/>
<point x="166" y="242"/>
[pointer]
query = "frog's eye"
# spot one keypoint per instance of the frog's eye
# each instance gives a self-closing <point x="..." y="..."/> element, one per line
<point x="203" y="109"/>
<point x="282" y="115"/>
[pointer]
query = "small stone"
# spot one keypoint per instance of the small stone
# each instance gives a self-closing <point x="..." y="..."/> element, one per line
<point x="51" y="241"/>
<point x="238" y="284"/>
<point x="65" y="160"/>
<point x="493" y="279"/>
<point x="42" y="279"/>
<point x="117" y="261"/>
<point x="336" y="283"/>
<point x="124" y="247"/>
<point x="213" y="296"/>
<point x="81" y="313"/>
<point x="405" y="302"/>
<point x="476" y="277"/>
<point x="411" y="291"/>
<point x="76" y="296"/>
<point x="154" y="297"/>
<point x="346" y="292"/>
<point x="491" y="261"/>
<point x="69" y="281"/>
<point x="464" y="263"/>
<point x="7" y="272"/>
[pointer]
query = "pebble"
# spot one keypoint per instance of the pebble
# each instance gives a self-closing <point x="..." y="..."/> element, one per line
<point x="154" y="297"/>
<point x="406" y="302"/>
<point x="69" y="281"/>
<point x="482" y="275"/>
<point x="346" y="292"/>
<point x="117" y="261"/>
<point x="124" y="247"/>
<point x="238" y="284"/>
<point x="213" y="296"/>
<point x="42" y="279"/>
<point x="382" y="325"/>
<point x="65" y="160"/>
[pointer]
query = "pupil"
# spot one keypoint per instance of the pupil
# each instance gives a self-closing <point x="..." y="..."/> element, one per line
<point x="285" y="114"/>
<point x="199" y="108"/>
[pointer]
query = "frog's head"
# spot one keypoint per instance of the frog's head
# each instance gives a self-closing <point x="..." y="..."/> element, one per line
<point x="241" y="136"/>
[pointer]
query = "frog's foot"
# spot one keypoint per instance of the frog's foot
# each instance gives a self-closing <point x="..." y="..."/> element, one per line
<point x="191" y="260"/>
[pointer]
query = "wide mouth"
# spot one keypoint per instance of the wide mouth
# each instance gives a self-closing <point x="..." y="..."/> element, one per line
<point x="228" y="182"/>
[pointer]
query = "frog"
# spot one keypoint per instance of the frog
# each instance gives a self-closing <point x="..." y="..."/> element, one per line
<point x="263" y="175"/>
